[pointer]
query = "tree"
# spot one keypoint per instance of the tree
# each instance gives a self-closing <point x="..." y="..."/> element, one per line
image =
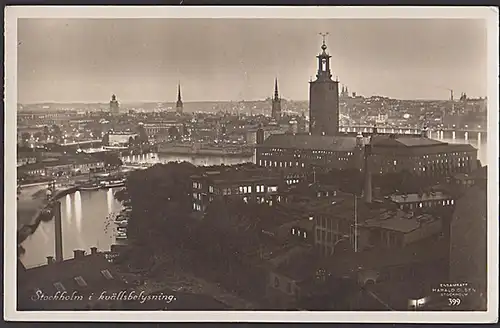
<point x="173" y="133"/>
<point x="56" y="130"/>
<point x="37" y="135"/>
<point x="159" y="195"/>
<point x="143" y="136"/>
<point x="105" y="139"/>
<point x="25" y="136"/>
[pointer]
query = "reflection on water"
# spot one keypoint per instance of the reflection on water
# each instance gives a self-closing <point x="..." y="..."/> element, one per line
<point x="84" y="213"/>
<point x="83" y="225"/>
<point x="153" y="158"/>
<point x="474" y="139"/>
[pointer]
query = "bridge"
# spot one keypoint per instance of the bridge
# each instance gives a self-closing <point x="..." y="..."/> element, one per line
<point x="398" y="130"/>
<point x="83" y="143"/>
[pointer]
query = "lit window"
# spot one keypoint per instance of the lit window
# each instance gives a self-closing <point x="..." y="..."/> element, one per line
<point x="60" y="287"/>
<point x="210" y="189"/>
<point x="311" y="218"/>
<point x="249" y="189"/>
<point x="395" y="162"/>
<point x="107" y="274"/>
<point x="80" y="281"/>
<point x="293" y="231"/>
<point x="305" y="234"/>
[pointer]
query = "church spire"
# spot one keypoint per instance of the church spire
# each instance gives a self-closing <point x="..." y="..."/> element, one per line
<point x="276" y="94"/>
<point x="179" y="106"/>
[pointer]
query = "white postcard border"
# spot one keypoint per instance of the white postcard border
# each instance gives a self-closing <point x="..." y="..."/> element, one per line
<point x="13" y="13"/>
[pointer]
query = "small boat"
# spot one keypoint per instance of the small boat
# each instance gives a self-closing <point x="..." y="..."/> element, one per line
<point x="122" y="224"/>
<point x="121" y="236"/>
<point x="120" y="218"/>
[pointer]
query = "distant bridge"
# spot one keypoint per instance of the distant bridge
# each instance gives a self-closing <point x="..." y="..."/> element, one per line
<point x="87" y="143"/>
<point x="397" y="130"/>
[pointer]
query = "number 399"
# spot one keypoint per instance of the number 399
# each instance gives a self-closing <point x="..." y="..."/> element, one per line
<point x="454" y="301"/>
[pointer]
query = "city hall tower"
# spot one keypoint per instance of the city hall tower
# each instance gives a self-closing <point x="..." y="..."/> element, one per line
<point x="324" y="98"/>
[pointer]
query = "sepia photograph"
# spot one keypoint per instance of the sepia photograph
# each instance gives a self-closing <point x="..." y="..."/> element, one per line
<point x="251" y="164"/>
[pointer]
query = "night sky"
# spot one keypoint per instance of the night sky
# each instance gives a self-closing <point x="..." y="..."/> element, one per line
<point x="86" y="60"/>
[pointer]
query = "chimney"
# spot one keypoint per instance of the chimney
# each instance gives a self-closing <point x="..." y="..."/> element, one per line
<point x="260" y="136"/>
<point x="368" y="176"/>
<point x="78" y="253"/>
<point x="50" y="260"/>
<point x="93" y="250"/>
<point x="58" y="231"/>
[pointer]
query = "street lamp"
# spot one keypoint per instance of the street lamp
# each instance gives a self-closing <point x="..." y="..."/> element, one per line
<point x="417" y="303"/>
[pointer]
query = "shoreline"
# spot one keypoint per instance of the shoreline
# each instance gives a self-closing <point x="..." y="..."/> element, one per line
<point x="26" y="230"/>
<point x="207" y="154"/>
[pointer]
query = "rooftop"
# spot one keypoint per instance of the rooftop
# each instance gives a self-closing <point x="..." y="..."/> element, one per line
<point x="341" y="206"/>
<point x="312" y="142"/>
<point x="62" y="160"/>
<point x="413" y="198"/>
<point x="480" y="173"/>
<point x="404" y="141"/>
<point x="399" y="221"/>
<point x="242" y="173"/>
<point x="89" y="274"/>
<point x="428" y="249"/>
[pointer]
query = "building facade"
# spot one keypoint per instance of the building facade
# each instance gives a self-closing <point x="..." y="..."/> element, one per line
<point x="114" y="106"/>
<point x="248" y="185"/>
<point x="324" y="99"/>
<point x="308" y="151"/>
<point x="416" y="155"/>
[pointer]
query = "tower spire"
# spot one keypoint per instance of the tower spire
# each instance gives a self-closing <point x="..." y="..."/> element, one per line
<point x="276" y="94"/>
<point x="179" y="105"/>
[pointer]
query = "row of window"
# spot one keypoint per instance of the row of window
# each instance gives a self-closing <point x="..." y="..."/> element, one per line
<point x="197" y="185"/>
<point x="432" y="203"/>
<point x="279" y="164"/>
<point x="297" y="232"/>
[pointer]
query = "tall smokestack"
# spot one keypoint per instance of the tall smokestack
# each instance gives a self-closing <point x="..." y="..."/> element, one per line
<point x="368" y="175"/>
<point x="58" y="231"/>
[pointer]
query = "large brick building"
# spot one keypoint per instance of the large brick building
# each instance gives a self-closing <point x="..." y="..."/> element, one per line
<point x="417" y="155"/>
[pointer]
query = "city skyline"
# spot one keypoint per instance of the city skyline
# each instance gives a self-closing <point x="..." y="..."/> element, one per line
<point x="143" y="60"/>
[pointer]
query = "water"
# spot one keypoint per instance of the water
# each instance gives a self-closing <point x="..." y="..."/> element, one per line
<point x="84" y="223"/>
<point x="84" y="213"/>
<point x="477" y="139"/>
<point x="153" y="158"/>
